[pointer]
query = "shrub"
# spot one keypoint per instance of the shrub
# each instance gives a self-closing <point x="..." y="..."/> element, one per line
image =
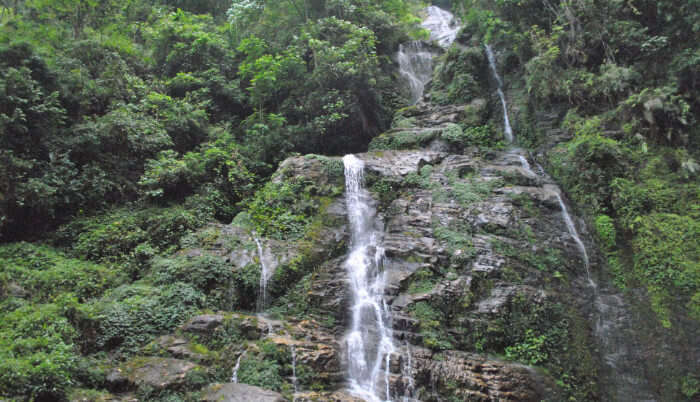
<point x="208" y="274"/>
<point x="605" y="230"/>
<point x="37" y="352"/>
<point x="116" y="235"/>
<point x="131" y="315"/>
<point x="44" y="273"/>
<point x="666" y="255"/>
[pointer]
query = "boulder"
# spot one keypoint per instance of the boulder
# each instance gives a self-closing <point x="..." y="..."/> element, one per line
<point x="154" y="372"/>
<point x="234" y="392"/>
<point x="203" y="323"/>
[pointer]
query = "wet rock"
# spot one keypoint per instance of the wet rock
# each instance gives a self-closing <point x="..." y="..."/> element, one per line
<point x="321" y="170"/>
<point x="176" y="347"/>
<point x="473" y="377"/>
<point x="15" y="290"/>
<point x="203" y="323"/>
<point x="337" y="396"/>
<point x="475" y="112"/>
<point x="234" y="392"/>
<point x="399" y="163"/>
<point x="329" y="290"/>
<point x="154" y="372"/>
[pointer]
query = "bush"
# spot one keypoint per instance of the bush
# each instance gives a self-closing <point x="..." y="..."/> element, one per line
<point x="208" y="274"/>
<point x="481" y="136"/>
<point x="38" y="356"/>
<point x="131" y="315"/>
<point x="605" y="230"/>
<point x="283" y="210"/>
<point x="45" y="273"/>
<point x="588" y="164"/>
<point x="116" y="235"/>
<point x="666" y="255"/>
<point x="461" y="76"/>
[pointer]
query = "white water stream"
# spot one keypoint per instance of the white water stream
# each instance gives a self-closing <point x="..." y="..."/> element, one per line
<point x="410" y="391"/>
<point x="234" y="375"/>
<point x="416" y="67"/>
<point x="265" y="275"/>
<point x="624" y="377"/>
<point x="501" y="95"/>
<point x="416" y="58"/>
<point x="574" y="234"/>
<point x="442" y="26"/>
<point x="295" y="381"/>
<point x="369" y="342"/>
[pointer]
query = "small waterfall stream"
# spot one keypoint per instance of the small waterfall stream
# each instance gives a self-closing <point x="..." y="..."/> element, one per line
<point x="442" y="26"/>
<point x="574" y="234"/>
<point x="234" y="375"/>
<point x="265" y="275"/>
<point x="369" y="342"/>
<point x="416" y="67"/>
<point x="416" y="58"/>
<point x="624" y="376"/>
<point x="295" y="381"/>
<point x="501" y="95"/>
<point x="407" y="373"/>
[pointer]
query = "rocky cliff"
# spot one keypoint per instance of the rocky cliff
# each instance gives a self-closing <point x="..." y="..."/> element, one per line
<point x="487" y="288"/>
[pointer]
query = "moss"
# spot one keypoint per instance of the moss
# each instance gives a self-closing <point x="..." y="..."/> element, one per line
<point x="385" y="191"/>
<point x="431" y="324"/>
<point x="332" y="167"/>
<point x="399" y="140"/>
<point x="481" y="136"/>
<point x="422" y="281"/>
<point x="460" y="76"/>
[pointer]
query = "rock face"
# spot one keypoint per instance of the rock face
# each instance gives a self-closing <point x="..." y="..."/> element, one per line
<point x="479" y="262"/>
<point x="154" y="372"/>
<point x="232" y="392"/>
<point x="203" y="323"/>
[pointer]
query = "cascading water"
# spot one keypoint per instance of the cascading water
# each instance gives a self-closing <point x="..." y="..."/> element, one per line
<point x="234" y="375"/>
<point x="265" y="274"/>
<point x="295" y="381"/>
<point x="572" y="231"/>
<point x="614" y="328"/>
<point x="408" y="374"/>
<point x="369" y="341"/>
<point x="416" y="67"/>
<point x="501" y="95"/>
<point x="416" y="58"/>
<point x="526" y="165"/>
<point x="442" y="26"/>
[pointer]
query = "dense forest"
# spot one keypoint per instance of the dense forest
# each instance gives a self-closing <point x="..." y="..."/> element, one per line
<point x="132" y="131"/>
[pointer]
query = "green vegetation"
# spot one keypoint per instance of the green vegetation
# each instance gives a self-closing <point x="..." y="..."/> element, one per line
<point x="160" y="100"/>
<point x="133" y="132"/>
<point x="625" y="76"/>
<point x="461" y="76"/>
<point x="432" y="331"/>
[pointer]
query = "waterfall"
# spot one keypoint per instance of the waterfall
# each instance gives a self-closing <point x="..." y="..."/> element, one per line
<point x="234" y="375"/>
<point x="572" y="231"/>
<point x="416" y="67"/>
<point x="295" y="381"/>
<point x="265" y="274"/>
<point x="416" y="58"/>
<point x="501" y="95"/>
<point x="526" y="165"/>
<point x="442" y="26"/>
<point x="408" y="374"/>
<point x="369" y="341"/>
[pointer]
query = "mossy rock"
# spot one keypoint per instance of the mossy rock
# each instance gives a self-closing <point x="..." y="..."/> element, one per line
<point x="404" y="139"/>
<point x="475" y="113"/>
<point x="156" y="373"/>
